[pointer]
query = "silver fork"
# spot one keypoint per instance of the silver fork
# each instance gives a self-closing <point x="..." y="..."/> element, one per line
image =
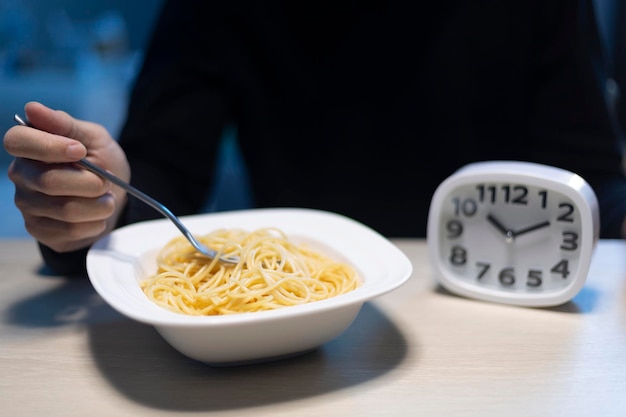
<point x="210" y="253"/>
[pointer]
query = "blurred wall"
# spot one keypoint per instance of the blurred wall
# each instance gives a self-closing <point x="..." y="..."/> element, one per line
<point x="81" y="56"/>
<point x="77" y="55"/>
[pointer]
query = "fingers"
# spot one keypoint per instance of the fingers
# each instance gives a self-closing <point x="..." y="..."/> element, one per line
<point x="64" y="206"/>
<point x="25" y="142"/>
<point x="65" y="223"/>
<point x="64" y="236"/>
<point x="65" y="209"/>
<point x="31" y="176"/>
<point x="55" y="136"/>
<point x="53" y="121"/>
<point x="58" y="122"/>
<point x="41" y="144"/>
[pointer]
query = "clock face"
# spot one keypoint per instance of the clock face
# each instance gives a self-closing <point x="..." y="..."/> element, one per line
<point x="511" y="237"/>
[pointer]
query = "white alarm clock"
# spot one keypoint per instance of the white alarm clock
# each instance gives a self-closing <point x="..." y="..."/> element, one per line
<point x="513" y="232"/>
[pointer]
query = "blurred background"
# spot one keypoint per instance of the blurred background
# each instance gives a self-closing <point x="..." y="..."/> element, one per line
<point x="72" y="54"/>
<point x="75" y="55"/>
<point x="82" y="56"/>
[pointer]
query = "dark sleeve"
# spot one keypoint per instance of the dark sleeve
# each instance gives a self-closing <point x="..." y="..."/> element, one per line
<point x="69" y="264"/>
<point x="570" y="122"/>
<point x="178" y="107"/>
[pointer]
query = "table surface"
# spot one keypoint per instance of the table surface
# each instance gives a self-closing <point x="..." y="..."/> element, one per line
<point x="416" y="351"/>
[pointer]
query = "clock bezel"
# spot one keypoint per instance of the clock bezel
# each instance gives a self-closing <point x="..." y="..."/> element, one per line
<point x="571" y="185"/>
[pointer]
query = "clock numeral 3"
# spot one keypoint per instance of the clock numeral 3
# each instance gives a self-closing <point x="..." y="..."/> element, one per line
<point x="570" y="241"/>
<point x="454" y="228"/>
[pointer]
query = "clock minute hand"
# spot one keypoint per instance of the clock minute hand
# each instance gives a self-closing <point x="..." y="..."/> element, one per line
<point x="531" y="228"/>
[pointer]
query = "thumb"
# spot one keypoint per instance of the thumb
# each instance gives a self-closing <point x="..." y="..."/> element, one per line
<point x="60" y="123"/>
<point x="52" y="121"/>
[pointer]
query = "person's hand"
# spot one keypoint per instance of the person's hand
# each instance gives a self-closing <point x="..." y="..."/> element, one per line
<point x="64" y="206"/>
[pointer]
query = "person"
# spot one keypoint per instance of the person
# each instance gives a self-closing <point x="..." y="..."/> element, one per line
<point x="355" y="107"/>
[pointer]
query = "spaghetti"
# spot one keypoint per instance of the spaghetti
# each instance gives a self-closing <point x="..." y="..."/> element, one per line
<point x="272" y="273"/>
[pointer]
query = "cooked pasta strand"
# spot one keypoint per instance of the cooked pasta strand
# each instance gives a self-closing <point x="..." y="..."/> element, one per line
<point x="272" y="273"/>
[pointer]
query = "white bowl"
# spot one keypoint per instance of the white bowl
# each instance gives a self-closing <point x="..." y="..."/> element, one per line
<point x="116" y="264"/>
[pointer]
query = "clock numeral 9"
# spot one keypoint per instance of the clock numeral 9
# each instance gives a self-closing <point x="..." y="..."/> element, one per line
<point x="570" y="241"/>
<point x="454" y="229"/>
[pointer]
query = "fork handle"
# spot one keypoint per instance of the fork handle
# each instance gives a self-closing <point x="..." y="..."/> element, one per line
<point x="126" y="186"/>
<point x="133" y="191"/>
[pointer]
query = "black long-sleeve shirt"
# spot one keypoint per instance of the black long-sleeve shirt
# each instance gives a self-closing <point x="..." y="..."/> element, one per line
<point x="364" y="107"/>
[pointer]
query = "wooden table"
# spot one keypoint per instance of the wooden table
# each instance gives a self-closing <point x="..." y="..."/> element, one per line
<point x="418" y="351"/>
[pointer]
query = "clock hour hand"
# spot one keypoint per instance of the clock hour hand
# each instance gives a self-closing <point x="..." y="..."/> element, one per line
<point x="506" y="232"/>
<point x="531" y="228"/>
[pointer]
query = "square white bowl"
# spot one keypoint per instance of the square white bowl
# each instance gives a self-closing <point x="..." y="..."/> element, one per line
<point x="117" y="263"/>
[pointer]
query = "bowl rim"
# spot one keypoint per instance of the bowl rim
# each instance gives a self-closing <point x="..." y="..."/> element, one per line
<point x="122" y="250"/>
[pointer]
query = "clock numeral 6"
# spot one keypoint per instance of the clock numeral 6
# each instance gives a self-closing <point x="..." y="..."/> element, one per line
<point x="506" y="277"/>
